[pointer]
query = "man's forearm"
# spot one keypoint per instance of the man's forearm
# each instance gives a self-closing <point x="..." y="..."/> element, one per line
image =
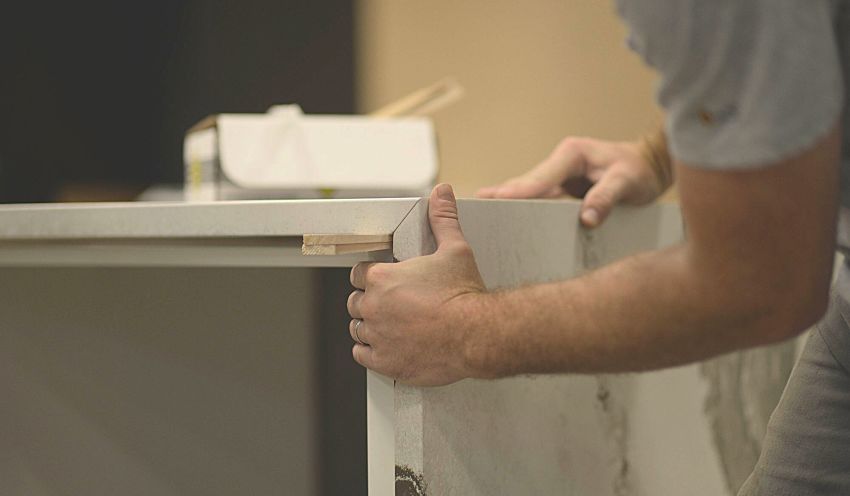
<point x="755" y="269"/>
<point x="649" y="311"/>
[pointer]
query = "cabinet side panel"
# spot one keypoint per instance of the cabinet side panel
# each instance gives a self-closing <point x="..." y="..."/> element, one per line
<point x="559" y="434"/>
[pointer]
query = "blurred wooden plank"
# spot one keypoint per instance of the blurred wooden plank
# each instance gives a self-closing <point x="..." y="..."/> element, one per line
<point x="342" y="249"/>
<point x="345" y="239"/>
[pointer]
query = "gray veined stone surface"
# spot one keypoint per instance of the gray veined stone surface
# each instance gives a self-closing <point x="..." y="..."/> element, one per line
<point x="744" y="388"/>
<point x="611" y="404"/>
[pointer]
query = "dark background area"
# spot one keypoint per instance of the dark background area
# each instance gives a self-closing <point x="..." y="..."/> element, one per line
<point x="101" y="93"/>
<point x="95" y="98"/>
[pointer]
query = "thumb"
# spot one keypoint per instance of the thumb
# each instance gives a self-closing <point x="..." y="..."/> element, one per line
<point x="442" y="213"/>
<point x="601" y="198"/>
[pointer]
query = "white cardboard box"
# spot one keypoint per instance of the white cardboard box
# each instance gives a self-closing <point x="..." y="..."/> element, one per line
<point x="287" y="154"/>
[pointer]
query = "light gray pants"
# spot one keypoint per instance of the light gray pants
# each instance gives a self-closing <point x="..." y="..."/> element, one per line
<point x="807" y="447"/>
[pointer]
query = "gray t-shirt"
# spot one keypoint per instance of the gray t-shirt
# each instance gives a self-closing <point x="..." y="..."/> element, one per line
<point x="746" y="83"/>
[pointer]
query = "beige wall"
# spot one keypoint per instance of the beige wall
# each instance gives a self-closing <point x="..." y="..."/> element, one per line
<point x="535" y="71"/>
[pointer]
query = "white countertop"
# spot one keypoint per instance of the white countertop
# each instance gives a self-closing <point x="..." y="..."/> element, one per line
<point x="230" y="233"/>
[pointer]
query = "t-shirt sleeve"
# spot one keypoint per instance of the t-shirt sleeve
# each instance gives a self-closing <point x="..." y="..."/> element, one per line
<point x="744" y="83"/>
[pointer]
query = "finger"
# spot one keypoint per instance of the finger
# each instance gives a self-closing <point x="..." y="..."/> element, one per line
<point x="545" y="180"/>
<point x="520" y="187"/>
<point x="358" y="274"/>
<point x="363" y="355"/>
<point x="353" y="304"/>
<point x="442" y="213"/>
<point x="601" y="198"/>
<point x="528" y="188"/>
<point x="487" y="192"/>
<point x="358" y="331"/>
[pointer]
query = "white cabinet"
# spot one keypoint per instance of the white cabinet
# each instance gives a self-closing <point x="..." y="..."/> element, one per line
<point x="71" y="424"/>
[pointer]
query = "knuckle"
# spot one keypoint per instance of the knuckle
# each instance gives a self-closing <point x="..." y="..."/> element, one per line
<point x="365" y="356"/>
<point x="353" y="274"/>
<point x="446" y="209"/>
<point x="352" y="301"/>
<point x="569" y="144"/>
<point x="366" y="308"/>
<point x="600" y="199"/>
<point x="461" y="249"/>
<point x="376" y="274"/>
<point x="601" y="195"/>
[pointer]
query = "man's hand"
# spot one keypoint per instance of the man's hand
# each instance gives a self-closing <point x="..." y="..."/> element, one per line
<point x="604" y="173"/>
<point x="412" y="317"/>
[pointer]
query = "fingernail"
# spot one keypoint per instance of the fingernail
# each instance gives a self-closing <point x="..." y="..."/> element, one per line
<point x="444" y="192"/>
<point x="590" y="217"/>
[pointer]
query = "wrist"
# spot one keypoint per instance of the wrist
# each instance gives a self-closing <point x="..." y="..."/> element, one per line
<point x="480" y="335"/>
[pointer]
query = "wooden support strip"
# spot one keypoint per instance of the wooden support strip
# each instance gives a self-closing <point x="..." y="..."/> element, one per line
<point x="346" y="239"/>
<point x="339" y="244"/>
<point x="344" y="248"/>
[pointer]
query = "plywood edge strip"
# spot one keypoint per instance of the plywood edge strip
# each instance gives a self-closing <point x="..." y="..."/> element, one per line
<point x="339" y="244"/>
<point x="343" y="249"/>
<point x="345" y="239"/>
